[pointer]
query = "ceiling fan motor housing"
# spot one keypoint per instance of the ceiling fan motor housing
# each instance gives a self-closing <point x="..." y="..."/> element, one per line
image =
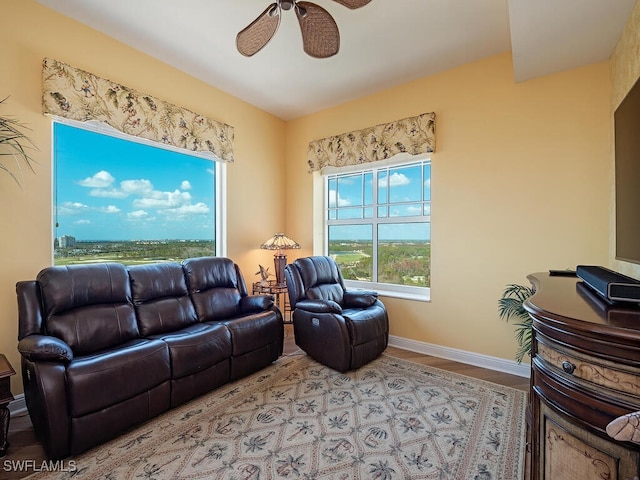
<point x="287" y="4"/>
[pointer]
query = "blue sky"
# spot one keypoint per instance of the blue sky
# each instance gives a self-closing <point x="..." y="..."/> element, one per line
<point x="107" y="188"/>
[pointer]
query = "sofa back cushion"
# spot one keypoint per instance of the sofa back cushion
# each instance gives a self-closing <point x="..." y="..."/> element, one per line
<point x="321" y="278"/>
<point x="216" y="287"/>
<point x="88" y="306"/>
<point x="161" y="298"/>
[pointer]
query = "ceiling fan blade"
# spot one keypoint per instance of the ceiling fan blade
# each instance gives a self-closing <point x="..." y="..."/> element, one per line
<point x="258" y="33"/>
<point x="320" y="36"/>
<point x="353" y="3"/>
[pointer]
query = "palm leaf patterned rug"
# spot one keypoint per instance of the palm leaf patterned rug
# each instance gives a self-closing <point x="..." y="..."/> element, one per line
<point x="391" y="419"/>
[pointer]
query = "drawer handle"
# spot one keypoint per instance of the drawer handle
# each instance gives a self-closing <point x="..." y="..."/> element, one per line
<point x="568" y="367"/>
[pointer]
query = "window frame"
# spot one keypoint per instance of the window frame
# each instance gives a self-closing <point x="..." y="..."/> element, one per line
<point x="384" y="289"/>
<point x="220" y="177"/>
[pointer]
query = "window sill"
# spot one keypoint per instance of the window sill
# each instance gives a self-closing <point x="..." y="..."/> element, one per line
<point x="405" y="296"/>
<point x="392" y="291"/>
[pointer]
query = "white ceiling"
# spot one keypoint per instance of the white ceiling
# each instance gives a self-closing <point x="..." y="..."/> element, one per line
<point x="383" y="44"/>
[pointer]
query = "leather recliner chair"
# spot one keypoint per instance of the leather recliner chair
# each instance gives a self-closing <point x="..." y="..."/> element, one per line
<point x="342" y="329"/>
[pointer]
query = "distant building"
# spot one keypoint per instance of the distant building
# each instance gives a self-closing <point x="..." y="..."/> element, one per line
<point x="67" y="241"/>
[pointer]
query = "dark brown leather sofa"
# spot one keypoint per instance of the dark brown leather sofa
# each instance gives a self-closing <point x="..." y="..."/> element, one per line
<point x="105" y="347"/>
<point x="342" y="329"/>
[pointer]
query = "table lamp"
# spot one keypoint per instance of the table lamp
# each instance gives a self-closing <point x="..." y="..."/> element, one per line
<point x="279" y="242"/>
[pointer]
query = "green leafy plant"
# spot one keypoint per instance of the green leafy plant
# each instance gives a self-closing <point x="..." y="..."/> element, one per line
<point x="510" y="307"/>
<point x="14" y="143"/>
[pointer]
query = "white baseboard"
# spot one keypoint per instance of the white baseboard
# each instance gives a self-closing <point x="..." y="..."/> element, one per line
<point x="492" y="363"/>
<point x="18" y="406"/>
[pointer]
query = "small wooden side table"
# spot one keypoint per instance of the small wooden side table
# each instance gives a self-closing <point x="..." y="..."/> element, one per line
<point x="280" y="296"/>
<point x="6" y="371"/>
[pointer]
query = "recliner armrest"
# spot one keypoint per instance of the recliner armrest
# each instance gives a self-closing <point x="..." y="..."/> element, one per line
<point x="44" y="348"/>
<point x="255" y="303"/>
<point x="359" y="298"/>
<point x="319" y="306"/>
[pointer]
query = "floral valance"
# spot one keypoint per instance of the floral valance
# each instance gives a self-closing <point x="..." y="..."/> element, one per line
<point x="413" y="135"/>
<point x="78" y="95"/>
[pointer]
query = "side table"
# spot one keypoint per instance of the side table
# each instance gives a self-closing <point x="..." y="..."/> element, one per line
<point x="6" y="371"/>
<point x="280" y="296"/>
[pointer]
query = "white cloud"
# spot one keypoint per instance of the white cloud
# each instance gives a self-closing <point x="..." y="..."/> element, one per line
<point x="156" y="199"/>
<point x="102" y="179"/>
<point x="140" y="187"/>
<point x="109" y="209"/>
<point x="396" y="180"/>
<point x="173" y="205"/>
<point x="185" y="212"/>
<point x="335" y="199"/>
<point x="72" y="208"/>
<point x="83" y="222"/>
<point x="138" y="214"/>
<point x="107" y="193"/>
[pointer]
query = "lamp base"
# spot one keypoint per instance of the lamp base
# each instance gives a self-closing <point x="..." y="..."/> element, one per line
<point x="279" y="262"/>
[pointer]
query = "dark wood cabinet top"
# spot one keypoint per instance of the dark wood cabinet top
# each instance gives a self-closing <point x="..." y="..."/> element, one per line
<point x="566" y="307"/>
<point x="6" y="370"/>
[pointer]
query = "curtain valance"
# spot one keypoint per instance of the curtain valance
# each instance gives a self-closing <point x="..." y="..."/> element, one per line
<point x="413" y="135"/>
<point x="72" y="93"/>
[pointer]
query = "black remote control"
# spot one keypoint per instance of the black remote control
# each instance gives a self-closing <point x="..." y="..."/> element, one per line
<point x="562" y="273"/>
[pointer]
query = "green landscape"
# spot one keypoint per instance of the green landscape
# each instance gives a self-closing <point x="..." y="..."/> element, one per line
<point x="133" y="252"/>
<point x="399" y="262"/>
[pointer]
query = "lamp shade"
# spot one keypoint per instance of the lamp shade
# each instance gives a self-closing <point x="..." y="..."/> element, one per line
<point x="279" y="242"/>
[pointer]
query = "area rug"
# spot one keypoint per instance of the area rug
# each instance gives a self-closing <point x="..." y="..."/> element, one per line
<point x="391" y="419"/>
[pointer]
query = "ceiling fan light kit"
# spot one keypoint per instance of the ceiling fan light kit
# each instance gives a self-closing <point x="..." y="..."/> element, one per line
<point x="320" y="35"/>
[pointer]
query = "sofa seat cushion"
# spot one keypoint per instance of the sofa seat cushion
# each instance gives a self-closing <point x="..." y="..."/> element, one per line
<point x="102" y="380"/>
<point x="253" y="332"/>
<point x="196" y="348"/>
<point x="366" y="325"/>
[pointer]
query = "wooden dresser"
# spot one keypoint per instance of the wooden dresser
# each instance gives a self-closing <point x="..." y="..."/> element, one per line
<point x="585" y="372"/>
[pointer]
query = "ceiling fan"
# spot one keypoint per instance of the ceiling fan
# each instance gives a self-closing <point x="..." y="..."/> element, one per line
<point x="320" y="36"/>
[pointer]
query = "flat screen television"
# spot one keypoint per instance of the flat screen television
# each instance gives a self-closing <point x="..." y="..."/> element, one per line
<point x="627" y="176"/>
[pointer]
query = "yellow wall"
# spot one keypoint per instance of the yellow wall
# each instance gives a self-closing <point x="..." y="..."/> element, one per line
<point x="31" y="32"/>
<point x="521" y="176"/>
<point x="520" y="183"/>
<point x="625" y="70"/>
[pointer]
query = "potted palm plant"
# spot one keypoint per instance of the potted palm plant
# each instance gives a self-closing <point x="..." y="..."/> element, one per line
<point x="13" y="146"/>
<point x="510" y="307"/>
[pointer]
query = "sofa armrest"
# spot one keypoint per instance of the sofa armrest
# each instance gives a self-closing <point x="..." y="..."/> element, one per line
<point x="359" y="298"/>
<point x="319" y="306"/>
<point x="255" y="303"/>
<point x="43" y="348"/>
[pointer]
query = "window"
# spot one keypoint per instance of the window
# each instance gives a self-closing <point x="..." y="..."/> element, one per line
<point x="123" y="199"/>
<point x="378" y="226"/>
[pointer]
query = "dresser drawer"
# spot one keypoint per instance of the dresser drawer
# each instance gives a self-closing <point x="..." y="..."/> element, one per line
<point x="591" y="372"/>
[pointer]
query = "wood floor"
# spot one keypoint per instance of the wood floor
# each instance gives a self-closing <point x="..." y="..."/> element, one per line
<point x="25" y="451"/>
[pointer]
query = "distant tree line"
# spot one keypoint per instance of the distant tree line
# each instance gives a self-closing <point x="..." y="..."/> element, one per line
<point x="129" y="252"/>
<point x="400" y="263"/>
